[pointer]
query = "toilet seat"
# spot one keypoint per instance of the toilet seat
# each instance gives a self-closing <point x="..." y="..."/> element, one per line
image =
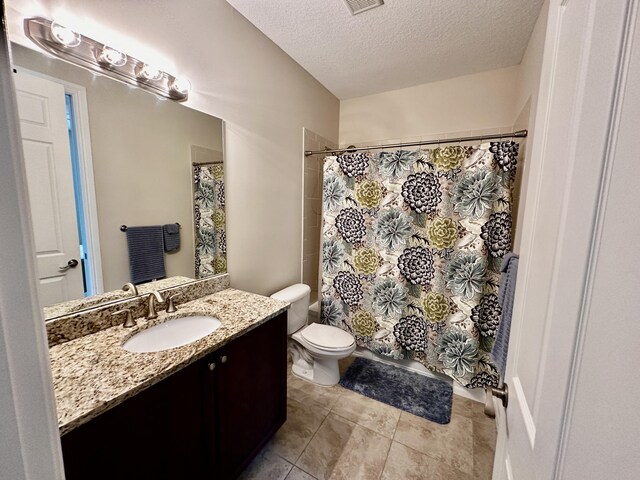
<point x="326" y="337"/>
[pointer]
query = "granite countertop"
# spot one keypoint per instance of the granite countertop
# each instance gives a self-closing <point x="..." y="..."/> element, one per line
<point x="92" y="374"/>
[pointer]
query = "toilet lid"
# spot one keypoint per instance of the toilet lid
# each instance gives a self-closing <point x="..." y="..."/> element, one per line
<point x="326" y="336"/>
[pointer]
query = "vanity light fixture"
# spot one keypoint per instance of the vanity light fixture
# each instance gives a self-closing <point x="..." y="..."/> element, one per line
<point x="145" y="72"/>
<point x="86" y="52"/>
<point x="112" y="57"/>
<point x="64" y="36"/>
<point x="180" y="86"/>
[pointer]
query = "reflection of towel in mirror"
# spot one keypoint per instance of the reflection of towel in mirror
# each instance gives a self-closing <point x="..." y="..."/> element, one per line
<point x="506" y="295"/>
<point x="171" y="233"/>
<point x="146" y="255"/>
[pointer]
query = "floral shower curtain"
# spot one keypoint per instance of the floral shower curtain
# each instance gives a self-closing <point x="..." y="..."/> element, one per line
<point x="412" y="247"/>
<point x="209" y="220"/>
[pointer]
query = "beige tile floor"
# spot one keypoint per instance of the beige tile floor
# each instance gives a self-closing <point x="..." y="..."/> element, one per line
<point x="334" y="433"/>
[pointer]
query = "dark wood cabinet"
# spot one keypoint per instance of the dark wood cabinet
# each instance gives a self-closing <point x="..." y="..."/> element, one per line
<point x="251" y="395"/>
<point x="159" y="433"/>
<point x="206" y="421"/>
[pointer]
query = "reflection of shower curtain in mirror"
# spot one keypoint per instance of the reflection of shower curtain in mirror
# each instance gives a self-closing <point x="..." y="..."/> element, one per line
<point x="209" y="220"/>
<point x="412" y="247"/>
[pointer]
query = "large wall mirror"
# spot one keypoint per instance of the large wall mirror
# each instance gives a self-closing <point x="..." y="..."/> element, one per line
<point x="101" y="156"/>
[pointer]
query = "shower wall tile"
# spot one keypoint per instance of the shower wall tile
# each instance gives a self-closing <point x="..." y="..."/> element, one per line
<point x="312" y="210"/>
<point x="312" y="185"/>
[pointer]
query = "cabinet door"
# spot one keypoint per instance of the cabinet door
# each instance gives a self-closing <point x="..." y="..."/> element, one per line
<point x="251" y="394"/>
<point x="159" y="434"/>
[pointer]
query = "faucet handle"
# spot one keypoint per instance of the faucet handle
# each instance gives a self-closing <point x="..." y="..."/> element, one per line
<point x="171" y="306"/>
<point x="129" y="321"/>
<point x="130" y="287"/>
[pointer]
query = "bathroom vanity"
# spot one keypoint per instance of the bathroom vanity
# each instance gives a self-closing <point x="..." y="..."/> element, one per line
<point x="203" y="410"/>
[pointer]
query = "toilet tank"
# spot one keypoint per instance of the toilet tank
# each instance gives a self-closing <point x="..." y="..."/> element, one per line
<point x="298" y="296"/>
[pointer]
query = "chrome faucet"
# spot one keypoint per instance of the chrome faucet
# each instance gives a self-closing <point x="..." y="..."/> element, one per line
<point x="154" y="297"/>
<point x="130" y="287"/>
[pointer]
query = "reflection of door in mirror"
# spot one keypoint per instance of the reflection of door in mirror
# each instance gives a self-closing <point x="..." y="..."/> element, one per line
<point x="45" y="127"/>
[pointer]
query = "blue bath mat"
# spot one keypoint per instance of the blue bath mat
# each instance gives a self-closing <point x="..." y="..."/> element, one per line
<point x="423" y="396"/>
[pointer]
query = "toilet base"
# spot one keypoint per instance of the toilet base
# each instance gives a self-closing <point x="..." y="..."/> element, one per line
<point x="303" y="373"/>
<point x="325" y="371"/>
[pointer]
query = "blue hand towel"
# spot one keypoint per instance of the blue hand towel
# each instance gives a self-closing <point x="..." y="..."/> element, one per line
<point x="146" y="253"/>
<point x="171" y="232"/>
<point x="506" y="296"/>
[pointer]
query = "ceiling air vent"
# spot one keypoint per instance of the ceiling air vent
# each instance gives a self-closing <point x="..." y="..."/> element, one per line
<point x="359" y="6"/>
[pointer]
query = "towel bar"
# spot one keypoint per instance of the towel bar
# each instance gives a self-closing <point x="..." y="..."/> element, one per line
<point x="123" y="228"/>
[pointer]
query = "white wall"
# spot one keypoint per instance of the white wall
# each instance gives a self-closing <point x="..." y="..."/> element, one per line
<point x="529" y="68"/>
<point x="242" y="77"/>
<point x="491" y="102"/>
<point x="469" y="103"/>
<point x="466" y="104"/>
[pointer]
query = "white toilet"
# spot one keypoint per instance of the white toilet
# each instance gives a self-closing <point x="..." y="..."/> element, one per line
<point x="316" y="348"/>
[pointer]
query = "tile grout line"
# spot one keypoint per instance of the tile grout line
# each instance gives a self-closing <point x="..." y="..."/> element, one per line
<point x="278" y="455"/>
<point x="356" y="424"/>
<point x="364" y="426"/>
<point x="395" y="429"/>
<point x="428" y="454"/>
<point x="306" y="444"/>
<point x="290" y="470"/>
<point x="386" y="459"/>
<point x="311" y="439"/>
<point x="302" y="469"/>
<point x="439" y="460"/>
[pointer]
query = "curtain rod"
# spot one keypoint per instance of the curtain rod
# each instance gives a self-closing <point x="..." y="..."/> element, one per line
<point x="518" y="134"/>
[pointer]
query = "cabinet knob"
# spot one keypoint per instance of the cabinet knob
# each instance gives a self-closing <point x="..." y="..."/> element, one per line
<point x="223" y="359"/>
<point x="212" y="366"/>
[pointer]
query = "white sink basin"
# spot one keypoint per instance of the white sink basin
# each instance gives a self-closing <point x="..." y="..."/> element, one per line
<point x="171" y="334"/>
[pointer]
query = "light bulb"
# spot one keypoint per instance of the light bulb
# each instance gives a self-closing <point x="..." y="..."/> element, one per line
<point x="148" y="72"/>
<point x="180" y="86"/>
<point x="64" y="36"/>
<point x="112" y="57"/>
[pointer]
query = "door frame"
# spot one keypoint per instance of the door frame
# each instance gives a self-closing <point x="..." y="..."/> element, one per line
<point x="80" y="107"/>
<point x="30" y="435"/>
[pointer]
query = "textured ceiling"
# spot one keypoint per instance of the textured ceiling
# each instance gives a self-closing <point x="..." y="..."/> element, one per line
<point x="397" y="45"/>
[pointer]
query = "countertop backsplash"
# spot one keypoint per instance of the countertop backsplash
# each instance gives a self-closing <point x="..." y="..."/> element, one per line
<point x="79" y="324"/>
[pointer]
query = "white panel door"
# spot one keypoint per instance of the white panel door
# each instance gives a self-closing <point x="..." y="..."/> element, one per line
<point x="45" y="140"/>
<point x="580" y="68"/>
